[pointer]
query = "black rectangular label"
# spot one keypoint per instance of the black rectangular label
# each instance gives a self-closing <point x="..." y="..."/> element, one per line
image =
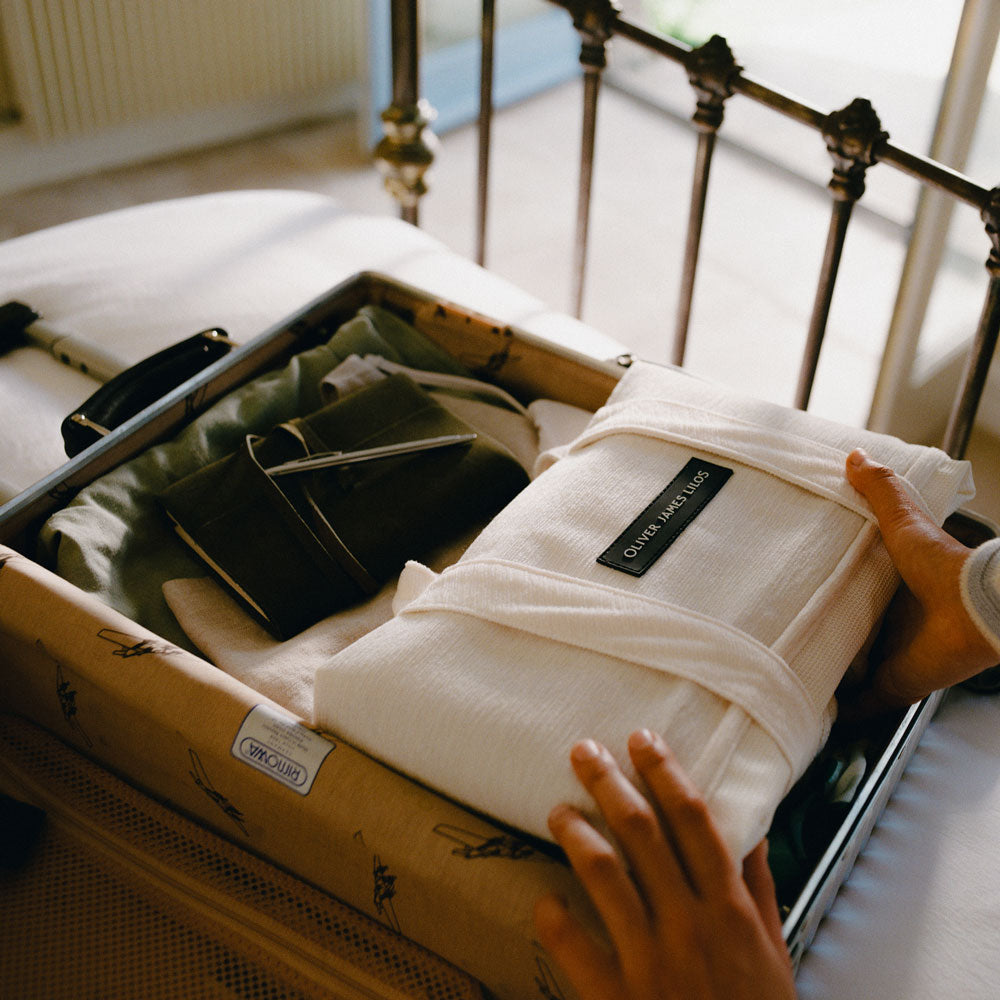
<point x="659" y="525"/>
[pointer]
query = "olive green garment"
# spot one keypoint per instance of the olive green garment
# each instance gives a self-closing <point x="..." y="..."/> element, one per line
<point x="112" y="539"/>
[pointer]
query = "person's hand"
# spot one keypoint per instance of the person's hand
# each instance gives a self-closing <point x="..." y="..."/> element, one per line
<point x="928" y="640"/>
<point x="687" y="923"/>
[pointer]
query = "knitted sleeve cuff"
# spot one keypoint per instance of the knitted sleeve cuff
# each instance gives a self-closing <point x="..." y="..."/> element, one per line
<point x="980" y="583"/>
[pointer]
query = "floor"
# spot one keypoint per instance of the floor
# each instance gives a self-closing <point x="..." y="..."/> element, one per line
<point x="757" y="269"/>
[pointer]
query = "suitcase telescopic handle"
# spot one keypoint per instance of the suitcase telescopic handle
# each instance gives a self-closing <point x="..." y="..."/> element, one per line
<point x="137" y="387"/>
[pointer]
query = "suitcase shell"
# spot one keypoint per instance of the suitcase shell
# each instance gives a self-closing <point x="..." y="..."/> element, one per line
<point x="172" y="725"/>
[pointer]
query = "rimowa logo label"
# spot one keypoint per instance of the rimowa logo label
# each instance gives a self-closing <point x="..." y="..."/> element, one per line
<point x="281" y="747"/>
<point x="267" y="759"/>
<point x="660" y="524"/>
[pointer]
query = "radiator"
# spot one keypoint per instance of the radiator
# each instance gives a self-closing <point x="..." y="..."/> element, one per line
<point x="79" y="66"/>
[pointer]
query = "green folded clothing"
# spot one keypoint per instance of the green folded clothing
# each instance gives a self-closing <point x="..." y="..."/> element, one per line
<point x="297" y="547"/>
<point x="112" y="540"/>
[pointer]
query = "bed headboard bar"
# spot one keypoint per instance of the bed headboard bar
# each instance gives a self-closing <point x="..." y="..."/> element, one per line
<point x="487" y="36"/>
<point x="712" y="72"/>
<point x="407" y="149"/>
<point x="853" y="135"/>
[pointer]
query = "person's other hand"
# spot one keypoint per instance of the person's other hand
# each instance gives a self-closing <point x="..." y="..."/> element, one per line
<point x="687" y="922"/>
<point x="928" y="640"/>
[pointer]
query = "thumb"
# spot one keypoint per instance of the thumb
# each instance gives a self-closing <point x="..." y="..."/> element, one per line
<point x="908" y="532"/>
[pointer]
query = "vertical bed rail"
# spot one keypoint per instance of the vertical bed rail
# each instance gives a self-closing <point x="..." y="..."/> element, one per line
<point x="594" y="20"/>
<point x="977" y="365"/>
<point x="407" y="149"/>
<point x="711" y="71"/>
<point x="853" y="136"/>
<point x="487" y="36"/>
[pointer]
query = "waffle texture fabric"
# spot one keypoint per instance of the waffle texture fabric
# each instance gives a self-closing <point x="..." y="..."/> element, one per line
<point x="731" y="643"/>
<point x="225" y="633"/>
<point x="981" y="590"/>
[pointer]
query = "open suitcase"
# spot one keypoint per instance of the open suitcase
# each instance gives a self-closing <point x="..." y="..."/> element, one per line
<point x="405" y="886"/>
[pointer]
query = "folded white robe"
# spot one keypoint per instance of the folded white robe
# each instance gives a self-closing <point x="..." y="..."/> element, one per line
<point x="731" y="643"/>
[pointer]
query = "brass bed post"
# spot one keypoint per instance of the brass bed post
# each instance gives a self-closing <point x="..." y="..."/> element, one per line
<point x="977" y="365"/>
<point x="594" y="20"/>
<point x="407" y="149"/>
<point x="711" y="69"/>
<point x="852" y="137"/>
<point x="487" y="35"/>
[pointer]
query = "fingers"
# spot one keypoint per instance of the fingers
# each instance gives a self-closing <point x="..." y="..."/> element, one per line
<point x="760" y="882"/>
<point x="934" y="642"/>
<point x="591" y="971"/>
<point x="875" y="702"/>
<point x="699" y="846"/>
<point x="641" y="916"/>
<point x="909" y="534"/>
<point x="602" y="873"/>
<point x="634" y="823"/>
<point x="946" y="649"/>
<point x="882" y="488"/>
<point x="720" y="935"/>
<point x="670" y="859"/>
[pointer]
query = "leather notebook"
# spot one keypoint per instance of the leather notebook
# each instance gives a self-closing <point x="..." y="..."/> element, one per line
<point x="298" y="543"/>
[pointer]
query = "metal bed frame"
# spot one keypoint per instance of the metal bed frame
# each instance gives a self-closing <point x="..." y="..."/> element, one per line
<point x="853" y="136"/>
<point x="856" y="141"/>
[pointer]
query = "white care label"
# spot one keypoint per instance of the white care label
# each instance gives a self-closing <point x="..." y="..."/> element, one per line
<point x="281" y="747"/>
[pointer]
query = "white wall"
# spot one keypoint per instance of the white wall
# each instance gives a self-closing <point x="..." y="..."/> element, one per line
<point x="100" y="83"/>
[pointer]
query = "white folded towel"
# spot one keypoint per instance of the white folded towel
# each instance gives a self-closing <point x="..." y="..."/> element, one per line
<point x="731" y="642"/>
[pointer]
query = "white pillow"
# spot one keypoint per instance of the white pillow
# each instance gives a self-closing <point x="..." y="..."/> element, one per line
<point x="731" y="643"/>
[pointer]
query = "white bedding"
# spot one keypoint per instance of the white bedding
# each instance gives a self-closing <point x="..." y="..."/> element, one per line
<point x="918" y="917"/>
<point x="139" y="279"/>
<point x="36" y="392"/>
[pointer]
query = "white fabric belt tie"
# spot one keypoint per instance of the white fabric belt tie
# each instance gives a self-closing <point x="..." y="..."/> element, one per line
<point x="661" y="636"/>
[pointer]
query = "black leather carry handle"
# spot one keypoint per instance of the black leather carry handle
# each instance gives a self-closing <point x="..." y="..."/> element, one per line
<point x="139" y="386"/>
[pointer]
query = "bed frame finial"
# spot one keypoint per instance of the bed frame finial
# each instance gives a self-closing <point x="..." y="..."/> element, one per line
<point x="990" y="214"/>
<point x="712" y="70"/>
<point x="595" y="21"/>
<point x="406" y="152"/>
<point x="853" y="136"/>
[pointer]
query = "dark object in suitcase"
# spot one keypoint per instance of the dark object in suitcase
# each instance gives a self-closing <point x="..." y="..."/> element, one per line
<point x="20" y="828"/>
<point x="15" y="318"/>
<point x="987" y="682"/>
<point x="297" y="548"/>
<point x="137" y="387"/>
